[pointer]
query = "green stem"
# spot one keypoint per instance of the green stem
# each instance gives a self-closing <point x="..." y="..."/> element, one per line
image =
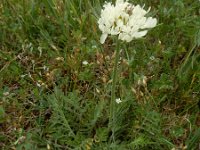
<point x="113" y="96"/>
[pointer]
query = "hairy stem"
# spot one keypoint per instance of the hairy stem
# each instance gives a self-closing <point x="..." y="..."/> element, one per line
<point x="113" y="96"/>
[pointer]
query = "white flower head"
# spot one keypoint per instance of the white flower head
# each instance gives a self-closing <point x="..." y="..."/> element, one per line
<point x="125" y="20"/>
<point x="118" y="100"/>
<point x="85" y="62"/>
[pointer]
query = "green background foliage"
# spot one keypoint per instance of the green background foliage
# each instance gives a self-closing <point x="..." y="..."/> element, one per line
<point x="50" y="100"/>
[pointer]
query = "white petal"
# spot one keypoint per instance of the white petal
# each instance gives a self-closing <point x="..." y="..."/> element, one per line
<point x="125" y="37"/>
<point x="103" y="38"/>
<point x="150" y="23"/>
<point x="140" y="34"/>
<point x="118" y="100"/>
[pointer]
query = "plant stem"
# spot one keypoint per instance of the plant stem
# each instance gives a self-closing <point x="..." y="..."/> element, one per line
<point x="113" y="96"/>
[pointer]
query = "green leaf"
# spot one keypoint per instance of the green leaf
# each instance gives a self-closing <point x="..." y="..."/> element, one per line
<point x="193" y="140"/>
<point x="102" y="134"/>
<point x="2" y="114"/>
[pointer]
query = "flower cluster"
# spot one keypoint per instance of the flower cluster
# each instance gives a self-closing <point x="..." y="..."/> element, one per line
<point x="125" y="20"/>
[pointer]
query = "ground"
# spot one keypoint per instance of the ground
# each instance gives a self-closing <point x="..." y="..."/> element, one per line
<point x="56" y="77"/>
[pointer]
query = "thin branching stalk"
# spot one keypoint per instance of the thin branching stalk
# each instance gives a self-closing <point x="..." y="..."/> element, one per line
<point x="113" y="90"/>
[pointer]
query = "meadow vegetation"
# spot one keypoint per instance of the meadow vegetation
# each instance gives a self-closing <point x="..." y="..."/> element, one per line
<point x="50" y="99"/>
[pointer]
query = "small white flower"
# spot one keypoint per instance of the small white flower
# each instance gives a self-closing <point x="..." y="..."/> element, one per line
<point x="45" y="68"/>
<point x="125" y="20"/>
<point x="38" y="84"/>
<point x="6" y="93"/>
<point x="118" y="100"/>
<point x="23" y="75"/>
<point x="85" y="62"/>
<point x="152" y="58"/>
